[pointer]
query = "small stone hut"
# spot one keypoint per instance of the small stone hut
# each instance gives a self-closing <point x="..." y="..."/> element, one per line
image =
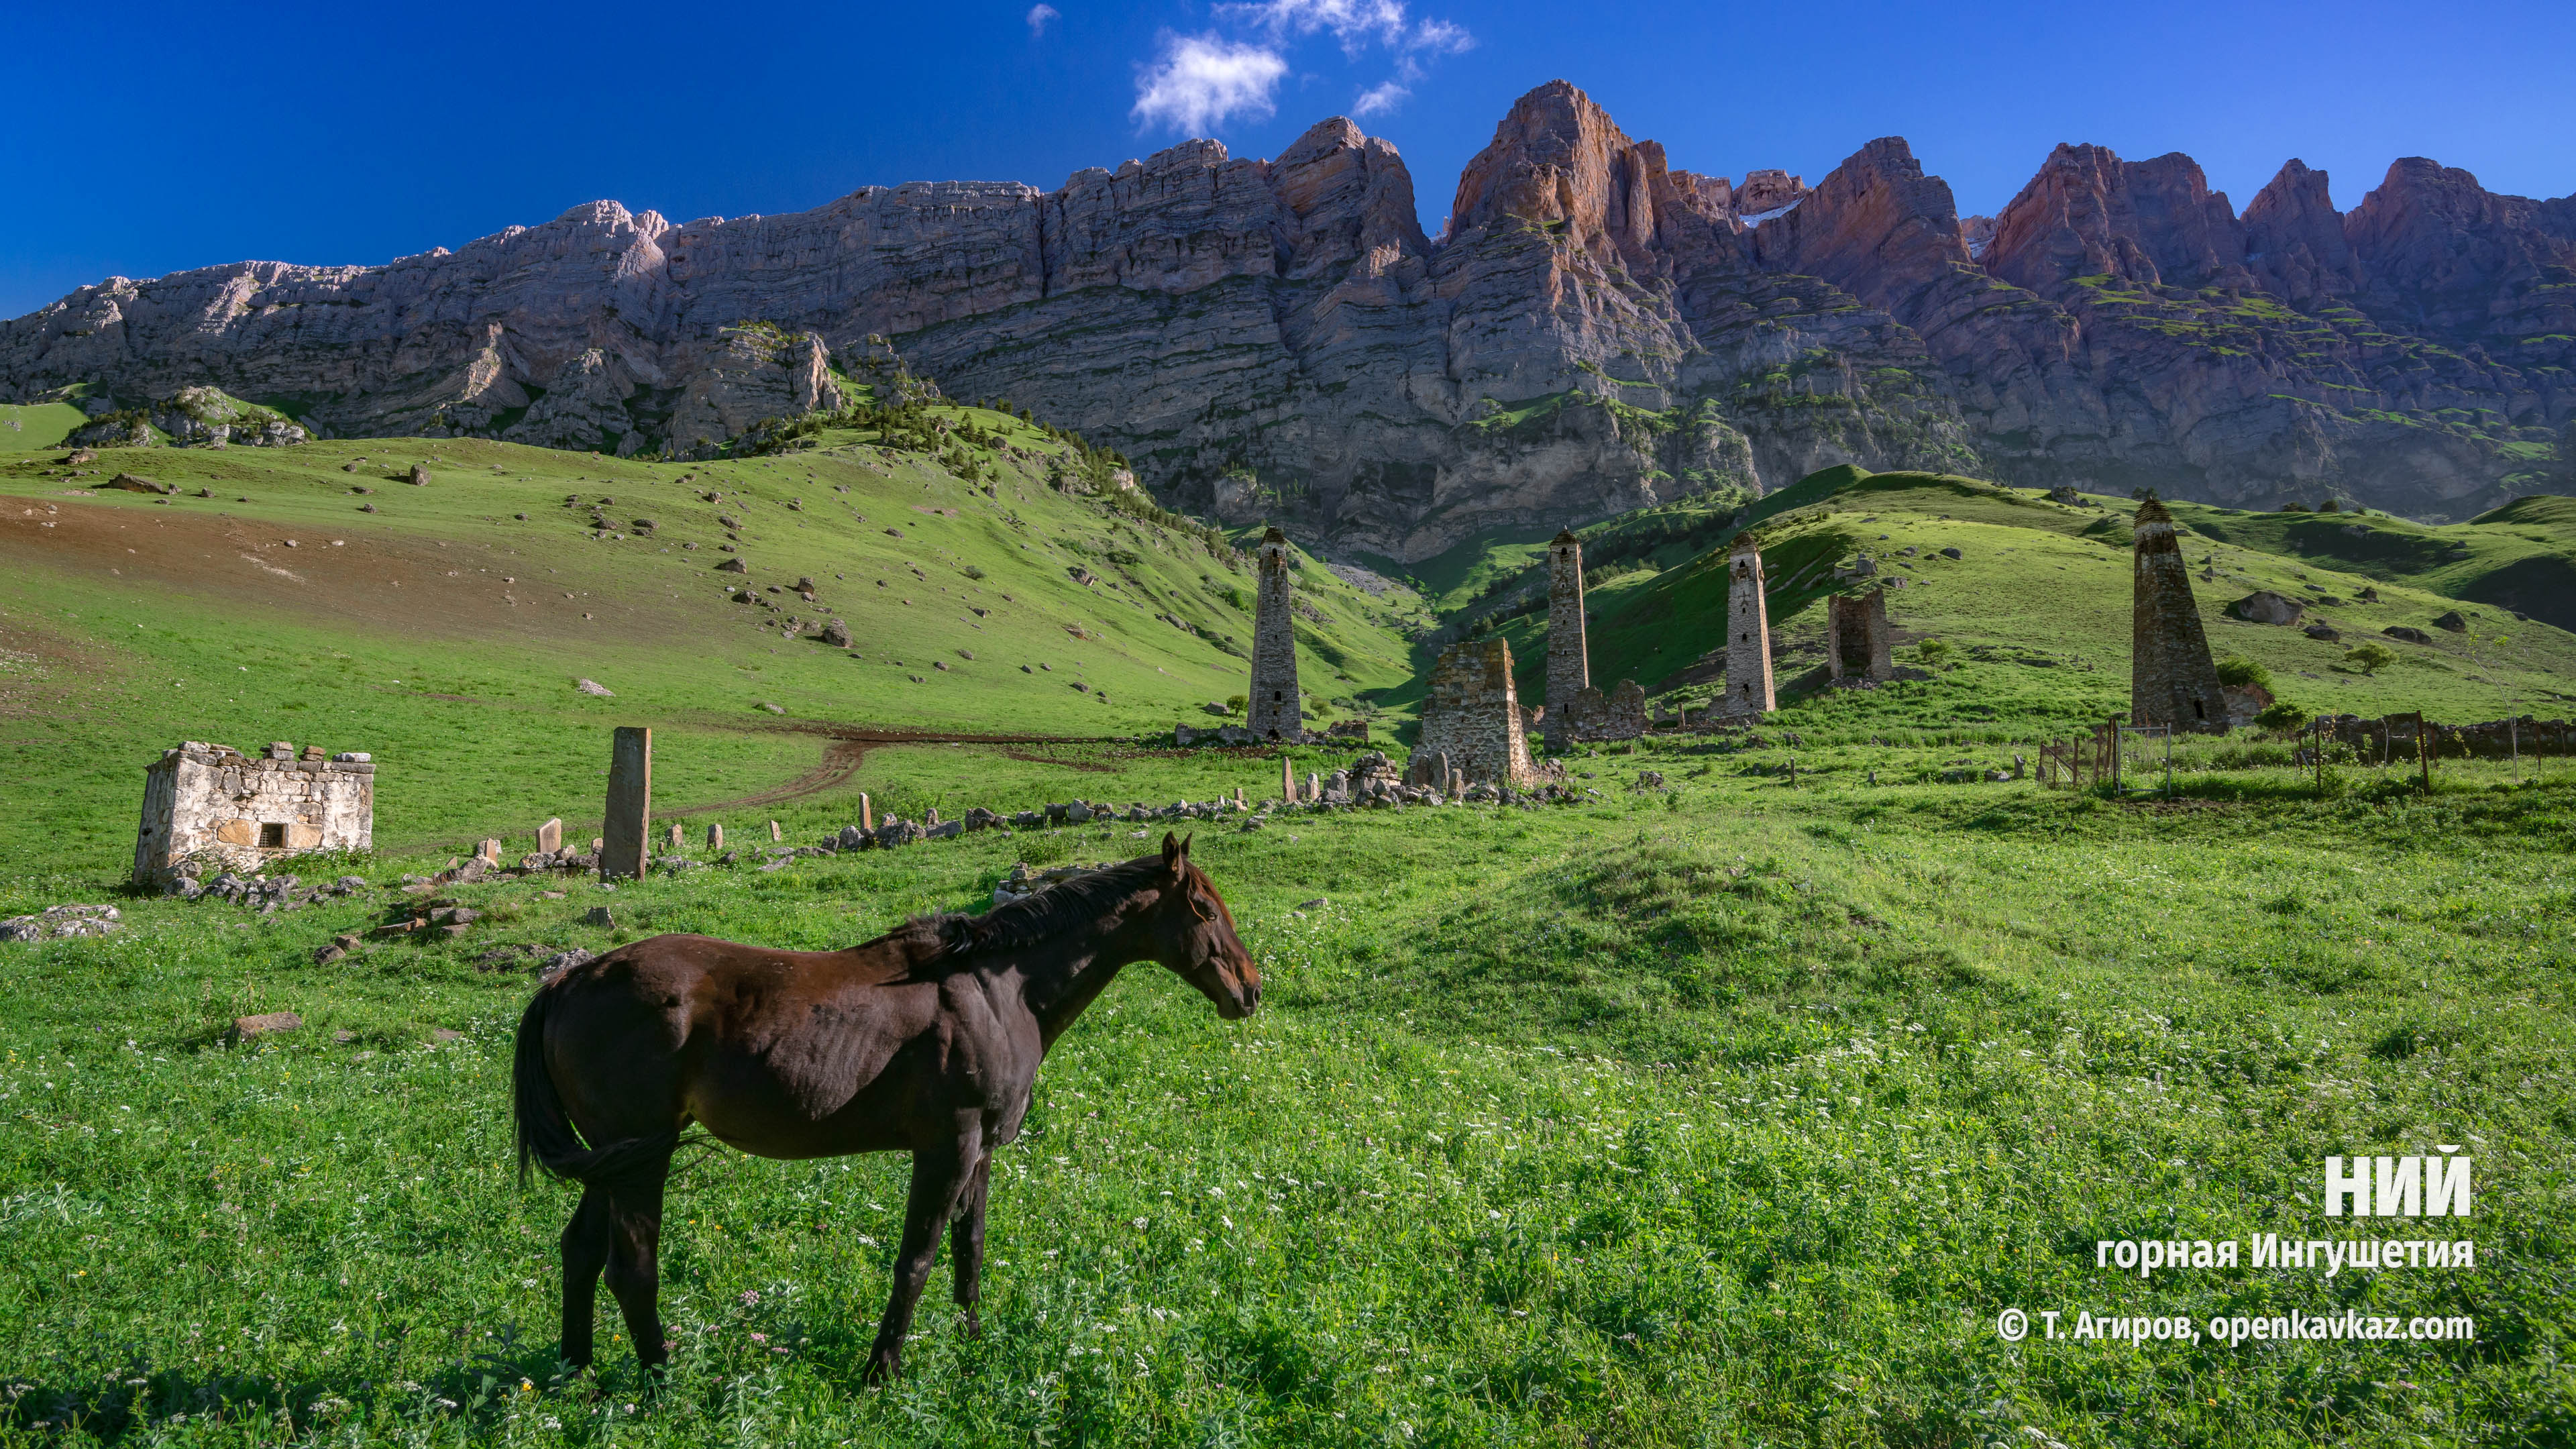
<point x="1473" y="715"/>
<point x="212" y="805"/>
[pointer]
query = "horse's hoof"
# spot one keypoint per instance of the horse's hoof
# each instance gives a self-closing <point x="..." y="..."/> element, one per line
<point x="882" y="1369"/>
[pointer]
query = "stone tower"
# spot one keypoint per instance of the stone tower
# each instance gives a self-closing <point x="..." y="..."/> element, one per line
<point x="2172" y="679"/>
<point x="1748" y="633"/>
<point x="1569" y="668"/>
<point x="1472" y="716"/>
<point x="1856" y="640"/>
<point x="1274" y="712"/>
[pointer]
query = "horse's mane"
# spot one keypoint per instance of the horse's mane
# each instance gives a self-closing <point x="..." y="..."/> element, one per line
<point x="1033" y="918"/>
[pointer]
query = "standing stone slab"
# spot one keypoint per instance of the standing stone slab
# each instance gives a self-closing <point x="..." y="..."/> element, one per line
<point x="671" y="840"/>
<point x="550" y="837"/>
<point x="1569" y="663"/>
<point x="1274" y="712"/>
<point x="1748" y="634"/>
<point x="2172" y="679"/>
<point x="1473" y="716"/>
<point x="715" y="837"/>
<point x="630" y="804"/>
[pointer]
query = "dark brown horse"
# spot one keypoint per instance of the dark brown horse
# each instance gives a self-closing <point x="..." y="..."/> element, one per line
<point x="925" y="1040"/>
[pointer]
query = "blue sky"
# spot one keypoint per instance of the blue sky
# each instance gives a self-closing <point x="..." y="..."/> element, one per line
<point x="203" y="133"/>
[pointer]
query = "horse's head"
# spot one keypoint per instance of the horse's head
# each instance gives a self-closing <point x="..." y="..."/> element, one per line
<point x="1193" y="934"/>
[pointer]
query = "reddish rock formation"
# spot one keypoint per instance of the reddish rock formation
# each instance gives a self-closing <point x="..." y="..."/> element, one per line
<point x="1595" y="331"/>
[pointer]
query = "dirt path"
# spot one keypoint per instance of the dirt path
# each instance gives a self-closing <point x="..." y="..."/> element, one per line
<point x="848" y="749"/>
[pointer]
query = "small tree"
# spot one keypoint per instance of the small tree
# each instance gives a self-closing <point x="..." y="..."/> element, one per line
<point x="2370" y="656"/>
<point x="1934" y="652"/>
<point x="1237" y="704"/>
<point x="2236" y="672"/>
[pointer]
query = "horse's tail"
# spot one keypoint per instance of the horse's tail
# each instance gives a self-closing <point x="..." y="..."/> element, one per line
<point x="546" y="1134"/>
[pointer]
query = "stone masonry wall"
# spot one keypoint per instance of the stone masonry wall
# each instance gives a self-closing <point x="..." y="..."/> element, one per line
<point x="1473" y="715"/>
<point x="1748" y="635"/>
<point x="205" y="803"/>
<point x="1569" y="664"/>
<point x="1274" y="711"/>
<point x="2172" y="678"/>
<point x="1856" y="640"/>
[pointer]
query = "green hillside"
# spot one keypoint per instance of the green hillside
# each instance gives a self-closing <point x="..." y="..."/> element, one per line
<point x="2035" y="611"/>
<point x="316" y="595"/>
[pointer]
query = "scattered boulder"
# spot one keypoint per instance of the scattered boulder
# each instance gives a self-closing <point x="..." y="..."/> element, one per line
<point x="2065" y="493"/>
<point x="837" y="634"/>
<point x="266" y="1024"/>
<point x="2453" y="621"/>
<point x="733" y="566"/>
<point x="62" y="922"/>
<point x="1952" y="553"/>
<point x="2326" y="633"/>
<point x="593" y="686"/>
<point x="2266" y="607"/>
<point x="127" y="482"/>
<point x="2408" y="633"/>
<point x="420" y="475"/>
<point x="2369" y="595"/>
<point x="766" y="705"/>
<point x="601" y="917"/>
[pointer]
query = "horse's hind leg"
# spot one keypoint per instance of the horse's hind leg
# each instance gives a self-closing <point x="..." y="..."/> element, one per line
<point x="585" y="1253"/>
<point x="966" y="1244"/>
<point x="635" y="1262"/>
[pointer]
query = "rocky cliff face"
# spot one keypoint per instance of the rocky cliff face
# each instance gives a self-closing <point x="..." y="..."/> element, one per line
<point x="1596" y="331"/>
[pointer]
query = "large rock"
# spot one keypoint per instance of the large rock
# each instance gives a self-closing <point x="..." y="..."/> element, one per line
<point x="2266" y="607"/>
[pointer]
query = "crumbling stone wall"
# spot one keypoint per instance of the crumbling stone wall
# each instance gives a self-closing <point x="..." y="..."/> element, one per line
<point x="1274" y="712"/>
<point x="1473" y="715"/>
<point x="1591" y="715"/>
<point x="2393" y="736"/>
<point x="1856" y="640"/>
<point x="211" y="805"/>
<point x="2172" y="678"/>
<point x="1748" y="635"/>
<point x="1569" y="666"/>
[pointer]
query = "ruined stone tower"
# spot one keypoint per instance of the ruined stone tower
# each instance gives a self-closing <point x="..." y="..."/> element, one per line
<point x="2172" y="679"/>
<point x="1473" y="716"/>
<point x="1569" y="668"/>
<point x="1748" y="633"/>
<point x="1856" y="640"/>
<point x="1274" y="712"/>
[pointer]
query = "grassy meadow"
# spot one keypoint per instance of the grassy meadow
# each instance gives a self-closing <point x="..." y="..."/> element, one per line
<point x="1729" y="1109"/>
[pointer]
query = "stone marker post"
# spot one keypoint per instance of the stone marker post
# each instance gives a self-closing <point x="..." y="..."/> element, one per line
<point x="1287" y="779"/>
<point x="1314" y="787"/>
<point x="550" y="837"/>
<point x="630" y="804"/>
<point x="1238" y="797"/>
<point x="489" y="851"/>
<point x="671" y="838"/>
<point x="773" y="832"/>
<point x="867" y="813"/>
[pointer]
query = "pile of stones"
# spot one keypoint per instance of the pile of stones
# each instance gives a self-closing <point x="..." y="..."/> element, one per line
<point x="270" y="893"/>
<point x="57" y="923"/>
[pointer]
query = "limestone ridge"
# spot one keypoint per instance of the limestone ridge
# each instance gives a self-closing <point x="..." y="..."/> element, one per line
<point x="1595" y="331"/>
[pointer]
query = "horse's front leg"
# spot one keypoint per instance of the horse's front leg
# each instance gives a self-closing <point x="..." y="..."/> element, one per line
<point x="939" y="1177"/>
<point x="966" y="1243"/>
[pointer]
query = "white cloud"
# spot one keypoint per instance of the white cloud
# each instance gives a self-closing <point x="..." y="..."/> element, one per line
<point x="1352" y="22"/>
<point x="1200" y="80"/>
<point x="1439" y="37"/>
<point x="1039" y="15"/>
<point x="1384" y="96"/>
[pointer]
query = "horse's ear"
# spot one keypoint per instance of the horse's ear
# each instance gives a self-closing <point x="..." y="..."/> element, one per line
<point x="1174" y="852"/>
